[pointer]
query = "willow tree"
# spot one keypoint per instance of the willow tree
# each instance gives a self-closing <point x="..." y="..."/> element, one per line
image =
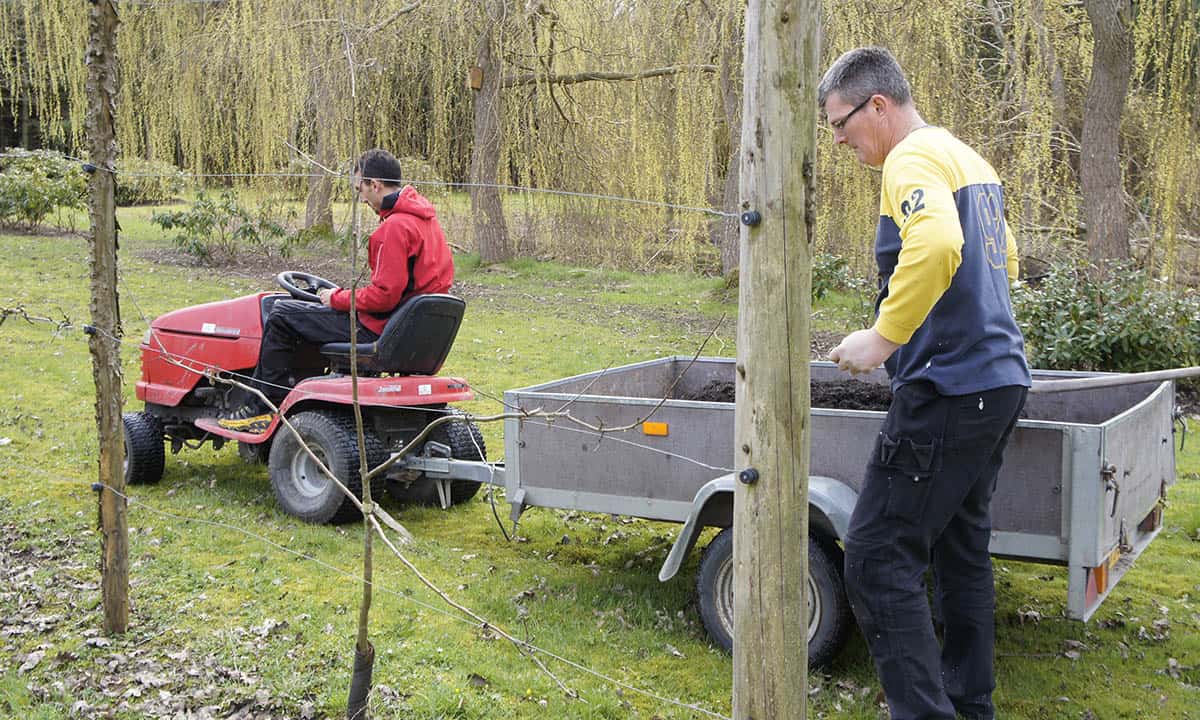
<point x="228" y="87"/>
<point x="531" y="64"/>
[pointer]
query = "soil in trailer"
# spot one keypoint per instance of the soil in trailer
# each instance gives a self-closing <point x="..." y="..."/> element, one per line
<point x="840" y="394"/>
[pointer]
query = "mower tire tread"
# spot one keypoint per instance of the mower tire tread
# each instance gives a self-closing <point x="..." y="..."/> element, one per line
<point x="145" y="455"/>
<point x="466" y="443"/>
<point x="300" y="487"/>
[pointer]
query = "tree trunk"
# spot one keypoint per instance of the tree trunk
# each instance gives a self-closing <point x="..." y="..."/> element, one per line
<point x="670" y="173"/>
<point x="1100" y="160"/>
<point x="318" y="211"/>
<point x="487" y="210"/>
<point x="104" y="341"/>
<point x="726" y="232"/>
<point x="771" y="423"/>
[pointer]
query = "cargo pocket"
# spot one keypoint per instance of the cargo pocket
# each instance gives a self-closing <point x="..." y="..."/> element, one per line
<point x="910" y="465"/>
<point x="907" y="495"/>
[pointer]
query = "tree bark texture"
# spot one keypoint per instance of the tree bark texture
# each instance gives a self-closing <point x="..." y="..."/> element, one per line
<point x="1100" y="159"/>
<point x="318" y="210"/>
<point x="487" y="209"/>
<point x="104" y="342"/>
<point x="726" y="231"/>
<point x="770" y="545"/>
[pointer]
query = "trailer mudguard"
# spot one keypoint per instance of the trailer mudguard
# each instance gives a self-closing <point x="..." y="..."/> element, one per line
<point x="832" y="499"/>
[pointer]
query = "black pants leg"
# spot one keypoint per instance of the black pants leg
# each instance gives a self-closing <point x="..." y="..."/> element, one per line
<point x="290" y="324"/>
<point x="926" y="497"/>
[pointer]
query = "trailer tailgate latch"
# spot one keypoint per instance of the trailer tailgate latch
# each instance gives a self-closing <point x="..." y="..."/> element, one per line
<point x="1109" y="474"/>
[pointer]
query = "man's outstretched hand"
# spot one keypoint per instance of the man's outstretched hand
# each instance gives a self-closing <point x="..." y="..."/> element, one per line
<point x="862" y="351"/>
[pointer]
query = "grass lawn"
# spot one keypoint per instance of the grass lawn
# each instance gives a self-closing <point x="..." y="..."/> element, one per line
<point x="237" y="607"/>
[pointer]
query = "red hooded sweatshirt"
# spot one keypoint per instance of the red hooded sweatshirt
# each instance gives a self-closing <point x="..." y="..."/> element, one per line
<point x="408" y="256"/>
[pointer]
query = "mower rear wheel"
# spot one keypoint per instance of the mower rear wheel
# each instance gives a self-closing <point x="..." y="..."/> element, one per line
<point x="144" y="452"/>
<point x="301" y="488"/>
<point x="466" y="443"/>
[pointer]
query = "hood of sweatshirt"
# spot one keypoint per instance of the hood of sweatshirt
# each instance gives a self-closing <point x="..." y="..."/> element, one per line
<point x="407" y="201"/>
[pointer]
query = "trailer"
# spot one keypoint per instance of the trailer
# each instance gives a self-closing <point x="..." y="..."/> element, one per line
<point x="1083" y="485"/>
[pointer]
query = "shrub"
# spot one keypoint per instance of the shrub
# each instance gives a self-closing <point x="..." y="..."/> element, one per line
<point x="831" y="272"/>
<point x="1121" y="320"/>
<point x="143" y="182"/>
<point x="217" y="230"/>
<point x="34" y="183"/>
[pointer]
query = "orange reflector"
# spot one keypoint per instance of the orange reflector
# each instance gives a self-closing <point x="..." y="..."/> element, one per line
<point x="655" y="428"/>
<point x="1101" y="575"/>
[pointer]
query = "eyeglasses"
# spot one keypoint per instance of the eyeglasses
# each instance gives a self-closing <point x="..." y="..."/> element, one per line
<point x="839" y="124"/>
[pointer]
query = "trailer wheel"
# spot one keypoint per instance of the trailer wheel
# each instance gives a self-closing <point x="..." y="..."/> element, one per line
<point x="466" y="443"/>
<point x="144" y="453"/>
<point x="300" y="487"/>
<point x="828" y="612"/>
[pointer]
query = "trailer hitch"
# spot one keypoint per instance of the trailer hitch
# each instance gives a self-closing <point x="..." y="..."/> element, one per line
<point x="440" y="450"/>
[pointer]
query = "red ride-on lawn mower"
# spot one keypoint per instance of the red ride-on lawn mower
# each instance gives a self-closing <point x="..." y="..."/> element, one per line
<point x="397" y="390"/>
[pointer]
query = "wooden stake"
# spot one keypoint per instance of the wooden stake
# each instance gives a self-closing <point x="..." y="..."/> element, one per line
<point x="104" y="342"/>
<point x="770" y="629"/>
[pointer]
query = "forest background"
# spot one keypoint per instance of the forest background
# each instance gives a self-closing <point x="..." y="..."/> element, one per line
<point x="1087" y="110"/>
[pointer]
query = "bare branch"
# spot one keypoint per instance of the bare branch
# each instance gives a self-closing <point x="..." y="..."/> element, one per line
<point x="666" y="395"/>
<point x="538" y="78"/>
<point x="311" y="160"/>
<point x="393" y="17"/>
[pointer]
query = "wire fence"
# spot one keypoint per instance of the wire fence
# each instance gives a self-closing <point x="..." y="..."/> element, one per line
<point x="65" y="325"/>
<point x="346" y="176"/>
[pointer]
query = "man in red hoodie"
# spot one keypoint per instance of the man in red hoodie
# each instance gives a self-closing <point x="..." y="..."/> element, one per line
<point x="408" y="255"/>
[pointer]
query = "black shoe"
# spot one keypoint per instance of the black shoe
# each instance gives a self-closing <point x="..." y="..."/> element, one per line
<point x="247" y="418"/>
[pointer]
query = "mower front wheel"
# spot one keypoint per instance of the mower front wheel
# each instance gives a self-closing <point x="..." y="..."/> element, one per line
<point x="144" y="452"/>
<point x="255" y="453"/>
<point x="301" y="487"/>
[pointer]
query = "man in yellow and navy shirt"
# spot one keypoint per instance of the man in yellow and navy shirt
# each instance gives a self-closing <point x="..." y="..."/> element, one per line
<point x="945" y="331"/>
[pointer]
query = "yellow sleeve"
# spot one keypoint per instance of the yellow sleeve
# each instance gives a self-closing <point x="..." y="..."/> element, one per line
<point x="919" y="198"/>
<point x="1014" y="262"/>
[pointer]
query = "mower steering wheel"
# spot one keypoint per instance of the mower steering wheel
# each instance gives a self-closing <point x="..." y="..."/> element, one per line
<point x="302" y="285"/>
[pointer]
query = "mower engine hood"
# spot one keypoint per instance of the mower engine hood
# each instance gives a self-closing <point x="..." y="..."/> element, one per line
<point x="237" y="318"/>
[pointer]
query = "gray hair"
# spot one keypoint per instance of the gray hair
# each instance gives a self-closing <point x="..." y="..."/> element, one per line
<point x="862" y="72"/>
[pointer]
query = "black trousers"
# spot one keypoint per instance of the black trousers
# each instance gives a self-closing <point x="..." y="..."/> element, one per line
<point x="291" y="324"/>
<point x="926" y="499"/>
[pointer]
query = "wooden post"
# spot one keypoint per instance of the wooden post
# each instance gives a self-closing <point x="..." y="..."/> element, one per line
<point x="104" y="342"/>
<point x="770" y="542"/>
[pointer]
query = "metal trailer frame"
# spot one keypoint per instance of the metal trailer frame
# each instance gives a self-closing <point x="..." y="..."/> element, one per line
<point x="1083" y="484"/>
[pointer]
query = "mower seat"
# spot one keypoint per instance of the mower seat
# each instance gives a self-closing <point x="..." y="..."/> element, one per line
<point x="416" y="340"/>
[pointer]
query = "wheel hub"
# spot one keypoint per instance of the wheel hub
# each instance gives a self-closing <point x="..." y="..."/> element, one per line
<point x="725" y="599"/>
<point x="307" y="477"/>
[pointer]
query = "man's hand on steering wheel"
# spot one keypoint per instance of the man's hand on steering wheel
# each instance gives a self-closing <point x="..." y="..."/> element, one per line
<point x="325" y="294"/>
<point x="304" y="286"/>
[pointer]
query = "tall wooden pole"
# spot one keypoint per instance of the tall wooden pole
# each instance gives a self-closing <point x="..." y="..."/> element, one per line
<point x="106" y="317"/>
<point x="770" y="542"/>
